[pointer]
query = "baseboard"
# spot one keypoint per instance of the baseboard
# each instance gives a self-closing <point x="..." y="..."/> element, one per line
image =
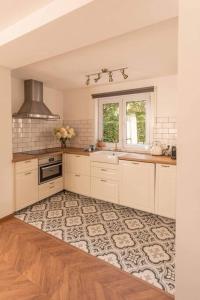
<point x="6" y="217"/>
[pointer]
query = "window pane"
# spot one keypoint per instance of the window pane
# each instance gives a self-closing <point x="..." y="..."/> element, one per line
<point x="136" y="122"/>
<point x="111" y="122"/>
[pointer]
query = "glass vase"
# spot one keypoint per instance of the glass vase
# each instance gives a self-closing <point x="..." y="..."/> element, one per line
<point x="63" y="143"/>
<point x="67" y="144"/>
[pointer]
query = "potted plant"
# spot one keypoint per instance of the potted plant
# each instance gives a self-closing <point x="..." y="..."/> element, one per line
<point x="64" y="135"/>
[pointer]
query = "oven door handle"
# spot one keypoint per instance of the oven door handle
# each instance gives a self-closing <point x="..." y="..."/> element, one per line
<point x="53" y="165"/>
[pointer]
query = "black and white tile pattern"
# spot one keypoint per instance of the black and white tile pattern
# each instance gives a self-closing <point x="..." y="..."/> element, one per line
<point x="140" y="243"/>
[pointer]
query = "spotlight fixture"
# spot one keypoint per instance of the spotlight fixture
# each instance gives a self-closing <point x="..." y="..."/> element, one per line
<point x="104" y="70"/>
<point x="123" y="74"/>
<point x="110" y="76"/>
<point x="88" y="80"/>
<point x="97" y="76"/>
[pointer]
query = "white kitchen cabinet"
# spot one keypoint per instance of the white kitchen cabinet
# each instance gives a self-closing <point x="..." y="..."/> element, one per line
<point x="165" y="200"/>
<point x="77" y="164"/>
<point x="137" y="185"/>
<point x="105" y="181"/>
<point x="104" y="189"/>
<point x="77" y="183"/>
<point x="26" y="183"/>
<point x="50" y="188"/>
<point x="26" y="165"/>
<point x="77" y="174"/>
<point x="105" y="171"/>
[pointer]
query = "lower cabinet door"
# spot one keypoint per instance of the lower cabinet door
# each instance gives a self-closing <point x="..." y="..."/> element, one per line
<point x="77" y="164"/>
<point x="50" y="188"/>
<point x="26" y="188"/>
<point x="77" y="183"/>
<point x="166" y="190"/>
<point x="104" y="189"/>
<point x="137" y="185"/>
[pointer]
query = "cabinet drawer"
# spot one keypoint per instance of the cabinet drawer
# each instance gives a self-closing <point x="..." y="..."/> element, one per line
<point x="104" y="165"/>
<point x="27" y="165"/>
<point x="104" y="189"/>
<point x="50" y="188"/>
<point x="77" y="183"/>
<point x="77" y="164"/>
<point x="105" y="173"/>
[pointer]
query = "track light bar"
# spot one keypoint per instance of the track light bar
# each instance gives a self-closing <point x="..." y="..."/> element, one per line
<point x="87" y="80"/>
<point x="105" y="71"/>
<point x="123" y="74"/>
<point x="98" y="77"/>
<point x="110" y="77"/>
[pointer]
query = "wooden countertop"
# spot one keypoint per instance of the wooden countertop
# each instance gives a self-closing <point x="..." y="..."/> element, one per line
<point x="80" y="151"/>
<point x="24" y="156"/>
<point x="148" y="158"/>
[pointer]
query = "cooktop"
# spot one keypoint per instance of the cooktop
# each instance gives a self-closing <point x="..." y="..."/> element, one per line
<point x="42" y="151"/>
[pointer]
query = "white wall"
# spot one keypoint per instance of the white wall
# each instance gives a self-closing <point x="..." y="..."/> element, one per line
<point x="53" y="98"/>
<point x="78" y="103"/>
<point x="188" y="202"/>
<point x="6" y="179"/>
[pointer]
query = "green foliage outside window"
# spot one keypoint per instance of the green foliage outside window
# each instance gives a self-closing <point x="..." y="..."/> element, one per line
<point x="111" y="122"/>
<point x="138" y="109"/>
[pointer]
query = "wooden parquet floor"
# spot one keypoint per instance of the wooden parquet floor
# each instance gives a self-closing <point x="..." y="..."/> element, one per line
<point x="35" y="265"/>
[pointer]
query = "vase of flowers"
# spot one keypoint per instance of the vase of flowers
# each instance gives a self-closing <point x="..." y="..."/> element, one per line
<point x="64" y="135"/>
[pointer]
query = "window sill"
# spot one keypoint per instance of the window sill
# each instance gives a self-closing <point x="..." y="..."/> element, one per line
<point x="130" y="149"/>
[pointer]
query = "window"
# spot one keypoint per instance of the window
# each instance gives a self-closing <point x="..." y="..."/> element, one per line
<point x="126" y="120"/>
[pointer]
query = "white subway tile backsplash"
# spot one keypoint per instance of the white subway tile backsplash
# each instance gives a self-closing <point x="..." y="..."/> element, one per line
<point x="84" y="132"/>
<point x="158" y="125"/>
<point x="171" y="125"/>
<point x="37" y="134"/>
<point x="172" y="119"/>
<point x="30" y="134"/>
<point x="160" y="130"/>
<point x="165" y="125"/>
<point x="172" y="130"/>
<point x="162" y="119"/>
<point x="165" y="136"/>
<point x="165" y="130"/>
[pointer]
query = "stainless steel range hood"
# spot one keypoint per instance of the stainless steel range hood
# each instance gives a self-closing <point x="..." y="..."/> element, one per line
<point x="33" y="106"/>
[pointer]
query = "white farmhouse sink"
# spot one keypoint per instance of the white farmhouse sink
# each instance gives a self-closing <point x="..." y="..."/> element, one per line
<point x="110" y="157"/>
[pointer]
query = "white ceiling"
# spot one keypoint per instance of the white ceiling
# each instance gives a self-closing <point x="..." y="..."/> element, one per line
<point x="147" y="52"/>
<point x="14" y="10"/>
<point x="89" y="22"/>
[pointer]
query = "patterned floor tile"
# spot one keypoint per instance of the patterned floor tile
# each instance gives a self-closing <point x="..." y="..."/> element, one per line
<point x="123" y="240"/>
<point x="140" y="243"/>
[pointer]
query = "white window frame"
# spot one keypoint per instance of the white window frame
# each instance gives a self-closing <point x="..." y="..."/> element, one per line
<point x="122" y="100"/>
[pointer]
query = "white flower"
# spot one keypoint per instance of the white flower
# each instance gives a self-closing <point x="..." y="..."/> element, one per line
<point x="65" y="133"/>
<point x="58" y="135"/>
<point x="71" y="131"/>
<point x="62" y="130"/>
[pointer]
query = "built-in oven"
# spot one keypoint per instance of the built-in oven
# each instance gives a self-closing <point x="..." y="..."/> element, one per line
<point x="50" y="167"/>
